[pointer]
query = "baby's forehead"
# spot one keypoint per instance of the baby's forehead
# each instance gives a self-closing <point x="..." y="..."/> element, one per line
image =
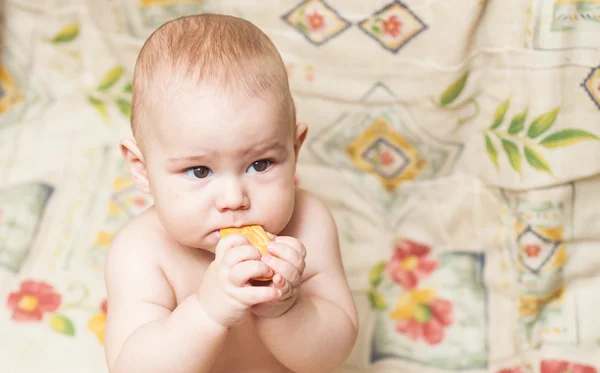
<point x="234" y="144"/>
<point x="196" y="115"/>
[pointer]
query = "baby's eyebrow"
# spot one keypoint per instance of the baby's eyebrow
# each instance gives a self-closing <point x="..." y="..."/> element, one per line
<point x="190" y="158"/>
<point x="275" y="145"/>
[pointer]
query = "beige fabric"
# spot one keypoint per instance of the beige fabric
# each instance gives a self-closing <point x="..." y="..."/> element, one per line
<point x="462" y="136"/>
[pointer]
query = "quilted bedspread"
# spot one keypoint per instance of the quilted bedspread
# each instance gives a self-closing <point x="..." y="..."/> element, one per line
<point x="457" y="143"/>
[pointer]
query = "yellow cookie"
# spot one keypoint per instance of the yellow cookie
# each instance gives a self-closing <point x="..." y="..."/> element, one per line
<point x="256" y="235"/>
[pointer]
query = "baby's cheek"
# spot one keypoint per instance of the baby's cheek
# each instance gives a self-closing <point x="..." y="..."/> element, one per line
<point x="181" y="215"/>
<point x="280" y="205"/>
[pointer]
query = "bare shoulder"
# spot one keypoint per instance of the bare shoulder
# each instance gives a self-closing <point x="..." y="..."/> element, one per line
<point x="314" y="225"/>
<point x="139" y="243"/>
<point x="137" y="289"/>
<point x="134" y="258"/>
<point x="312" y="219"/>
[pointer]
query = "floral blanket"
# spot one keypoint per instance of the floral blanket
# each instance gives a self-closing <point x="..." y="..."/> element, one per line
<point x="457" y="143"/>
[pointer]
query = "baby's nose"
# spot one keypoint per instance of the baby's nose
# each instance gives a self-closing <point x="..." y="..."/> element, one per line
<point x="232" y="196"/>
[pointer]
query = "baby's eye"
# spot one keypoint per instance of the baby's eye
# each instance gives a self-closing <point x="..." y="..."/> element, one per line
<point x="260" y="166"/>
<point x="198" y="172"/>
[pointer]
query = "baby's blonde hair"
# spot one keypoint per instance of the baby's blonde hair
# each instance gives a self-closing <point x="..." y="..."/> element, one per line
<point x="222" y="52"/>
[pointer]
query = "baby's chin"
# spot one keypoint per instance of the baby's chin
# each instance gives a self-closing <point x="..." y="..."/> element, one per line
<point x="207" y="242"/>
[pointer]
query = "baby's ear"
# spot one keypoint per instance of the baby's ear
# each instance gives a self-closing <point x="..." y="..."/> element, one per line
<point x="135" y="161"/>
<point x="299" y="137"/>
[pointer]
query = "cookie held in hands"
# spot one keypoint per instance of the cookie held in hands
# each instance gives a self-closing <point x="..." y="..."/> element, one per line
<point x="256" y="235"/>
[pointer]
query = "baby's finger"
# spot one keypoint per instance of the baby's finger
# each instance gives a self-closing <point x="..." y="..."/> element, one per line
<point x="282" y="267"/>
<point x="283" y="285"/>
<point x="252" y="295"/>
<point x="288" y="254"/>
<point x="288" y="292"/>
<point x="294" y="243"/>
<point x="278" y="281"/>
<point x="242" y="272"/>
<point x="239" y="254"/>
<point x="227" y="243"/>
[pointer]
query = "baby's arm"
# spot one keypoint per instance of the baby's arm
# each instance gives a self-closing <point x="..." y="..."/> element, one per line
<point x="146" y="331"/>
<point x="317" y="334"/>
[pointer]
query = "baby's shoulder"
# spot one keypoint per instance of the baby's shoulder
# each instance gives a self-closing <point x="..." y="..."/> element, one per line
<point x="142" y="238"/>
<point x="311" y="211"/>
<point x="312" y="221"/>
<point x="133" y="270"/>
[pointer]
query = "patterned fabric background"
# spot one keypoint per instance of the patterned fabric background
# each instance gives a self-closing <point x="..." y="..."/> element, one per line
<point x="457" y="143"/>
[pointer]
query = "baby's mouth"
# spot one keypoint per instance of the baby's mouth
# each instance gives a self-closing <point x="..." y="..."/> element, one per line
<point x="216" y="233"/>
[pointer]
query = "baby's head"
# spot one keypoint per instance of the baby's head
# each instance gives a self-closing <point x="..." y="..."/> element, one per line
<point x="216" y="139"/>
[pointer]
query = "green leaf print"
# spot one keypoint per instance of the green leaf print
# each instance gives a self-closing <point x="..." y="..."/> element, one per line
<point x="66" y="34"/>
<point x="454" y="90"/>
<point x="110" y="78"/>
<point x="542" y="123"/>
<point x="499" y="114"/>
<point x="100" y="107"/>
<point x="377" y="301"/>
<point x="62" y="325"/>
<point x="514" y="156"/>
<point x="518" y="123"/>
<point x="376" y="274"/>
<point x="376" y="29"/>
<point x="124" y="106"/>
<point x="517" y="135"/>
<point x="302" y="26"/>
<point x="302" y="11"/>
<point x="128" y="88"/>
<point x="491" y="149"/>
<point x="567" y="137"/>
<point x="536" y="160"/>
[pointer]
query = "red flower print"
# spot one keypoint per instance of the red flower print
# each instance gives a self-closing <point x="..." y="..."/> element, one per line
<point x="392" y="26"/>
<point x="316" y="21"/>
<point x="410" y="263"/>
<point x="32" y="300"/>
<point x="420" y="315"/>
<point x="532" y="250"/>
<point x="561" y="366"/>
<point x="385" y="158"/>
<point x="139" y="201"/>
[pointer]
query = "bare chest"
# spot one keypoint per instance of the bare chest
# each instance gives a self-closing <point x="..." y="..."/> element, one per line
<point x="243" y="350"/>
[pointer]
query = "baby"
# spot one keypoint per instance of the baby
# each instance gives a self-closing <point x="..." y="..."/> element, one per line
<point x="216" y="144"/>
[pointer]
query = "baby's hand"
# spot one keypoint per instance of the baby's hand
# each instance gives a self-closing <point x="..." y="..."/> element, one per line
<point x="288" y="264"/>
<point x="226" y="293"/>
